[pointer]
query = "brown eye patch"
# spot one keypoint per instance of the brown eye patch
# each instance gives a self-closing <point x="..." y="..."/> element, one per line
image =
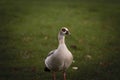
<point x="63" y="30"/>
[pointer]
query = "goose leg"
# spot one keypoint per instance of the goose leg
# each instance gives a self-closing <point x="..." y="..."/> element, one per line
<point x="54" y="76"/>
<point x="64" y="75"/>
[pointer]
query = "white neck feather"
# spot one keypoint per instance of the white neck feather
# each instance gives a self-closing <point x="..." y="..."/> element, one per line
<point x="61" y="39"/>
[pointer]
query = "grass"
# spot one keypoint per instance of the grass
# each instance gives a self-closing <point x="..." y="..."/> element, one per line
<point x="28" y="31"/>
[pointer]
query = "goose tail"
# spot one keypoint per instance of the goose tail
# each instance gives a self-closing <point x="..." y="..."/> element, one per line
<point x="46" y="69"/>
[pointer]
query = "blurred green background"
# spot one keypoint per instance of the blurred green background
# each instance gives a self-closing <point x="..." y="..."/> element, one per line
<point x="29" y="28"/>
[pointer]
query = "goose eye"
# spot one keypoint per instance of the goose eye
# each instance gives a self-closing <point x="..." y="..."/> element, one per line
<point x="63" y="30"/>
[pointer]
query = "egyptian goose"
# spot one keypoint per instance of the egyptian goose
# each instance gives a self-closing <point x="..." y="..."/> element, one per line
<point x="61" y="58"/>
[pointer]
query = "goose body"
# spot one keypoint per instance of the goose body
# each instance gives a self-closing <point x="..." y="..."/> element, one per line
<point x="61" y="58"/>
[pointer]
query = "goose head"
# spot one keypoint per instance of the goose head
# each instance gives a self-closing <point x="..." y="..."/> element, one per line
<point x="64" y="31"/>
<point x="61" y="36"/>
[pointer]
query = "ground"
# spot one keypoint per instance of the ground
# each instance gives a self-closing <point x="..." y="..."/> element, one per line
<point x="29" y="28"/>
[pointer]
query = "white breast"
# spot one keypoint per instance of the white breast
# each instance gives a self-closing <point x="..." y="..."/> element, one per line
<point x="60" y="59"/>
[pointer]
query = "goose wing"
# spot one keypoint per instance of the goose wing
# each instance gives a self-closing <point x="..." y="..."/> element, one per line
<point x="47" y="61"/>
<point x="51" y="52"/>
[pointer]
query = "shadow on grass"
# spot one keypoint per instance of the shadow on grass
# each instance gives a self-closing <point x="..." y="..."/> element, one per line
<point x="13" y="73"/>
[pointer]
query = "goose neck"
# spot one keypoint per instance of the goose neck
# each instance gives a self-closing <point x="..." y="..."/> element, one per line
<point x="61" y="39"/>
